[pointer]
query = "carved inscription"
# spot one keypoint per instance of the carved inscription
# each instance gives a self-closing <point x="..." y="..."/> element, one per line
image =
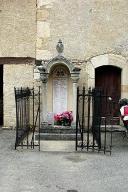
<point x="59" y="95"/>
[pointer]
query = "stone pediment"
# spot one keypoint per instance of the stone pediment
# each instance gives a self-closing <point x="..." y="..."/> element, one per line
<point x="46" y="66"/>
<point x="60" y="60"/>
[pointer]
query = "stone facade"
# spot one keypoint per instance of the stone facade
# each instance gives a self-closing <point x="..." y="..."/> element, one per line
<point x="17" y="50"/>
<point x="87" y="28"/>
<point x="94" y="34"/>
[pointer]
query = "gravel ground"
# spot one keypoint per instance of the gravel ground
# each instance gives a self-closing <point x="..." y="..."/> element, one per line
<point x="62" y="170"/>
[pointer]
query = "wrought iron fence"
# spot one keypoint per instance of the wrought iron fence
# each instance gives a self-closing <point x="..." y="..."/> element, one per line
<point x="91" y="125"/>
<point x="27" y="116"/>
<point x="1" y="110"/>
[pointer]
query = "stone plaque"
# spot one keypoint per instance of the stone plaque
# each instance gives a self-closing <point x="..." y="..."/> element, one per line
<point x="59" y="95"/>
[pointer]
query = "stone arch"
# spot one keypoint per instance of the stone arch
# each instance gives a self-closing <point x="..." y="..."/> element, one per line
<point x="60" y="70"/>
<point x="60" y="60"/>
<point x="112" y="60"/>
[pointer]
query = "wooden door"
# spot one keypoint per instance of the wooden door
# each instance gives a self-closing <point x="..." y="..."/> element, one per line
<point x="108" y="78"/>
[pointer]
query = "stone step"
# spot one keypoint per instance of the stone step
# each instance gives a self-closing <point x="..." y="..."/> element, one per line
<point x="64" y="133"/>
<point x="58" y="130"/>
<point x="55" y="136"/>
<point x="50" y="132"/>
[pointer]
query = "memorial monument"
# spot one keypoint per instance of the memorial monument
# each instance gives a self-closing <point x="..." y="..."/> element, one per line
<point x="59" y="78"/>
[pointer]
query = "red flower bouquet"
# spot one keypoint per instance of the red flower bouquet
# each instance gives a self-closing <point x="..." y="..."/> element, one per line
<point x="64" y="118"/>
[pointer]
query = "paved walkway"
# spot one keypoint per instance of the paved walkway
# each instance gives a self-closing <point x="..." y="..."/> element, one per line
<point x="63" y="170"/>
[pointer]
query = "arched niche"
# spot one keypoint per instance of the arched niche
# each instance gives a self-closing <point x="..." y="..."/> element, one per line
<point x="46" y="70"/>
<point x="60" y="89"/>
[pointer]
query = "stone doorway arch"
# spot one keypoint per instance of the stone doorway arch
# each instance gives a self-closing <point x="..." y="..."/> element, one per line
<point x="110" y="60"/>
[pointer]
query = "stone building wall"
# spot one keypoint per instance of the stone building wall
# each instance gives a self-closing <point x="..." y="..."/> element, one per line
<point x="17" y="28"/>
<point x="90" y="30"/>
<point x="94" y="32"/>
<point x="87" y="28"/>
<point x="15" y="75"/>
<point x="17" y="50"/>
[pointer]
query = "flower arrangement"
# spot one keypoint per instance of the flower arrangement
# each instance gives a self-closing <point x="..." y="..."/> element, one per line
<point x="64" y="118"/>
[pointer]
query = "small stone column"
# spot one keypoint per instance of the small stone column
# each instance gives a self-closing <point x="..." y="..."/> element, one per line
<point x="44" y="79"/>
<point x="75" y="78"/>
<point x="44" y="102"/>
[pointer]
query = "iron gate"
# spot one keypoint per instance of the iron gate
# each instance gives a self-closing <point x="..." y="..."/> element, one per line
<point x="91" y="127"/>
<point x="27" y="116"/>
<point x="1" y="110"/>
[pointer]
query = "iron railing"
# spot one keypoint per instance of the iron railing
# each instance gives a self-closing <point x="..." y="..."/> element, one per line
<point x="90" y="124"/>
<point x="27" y="116"/>
<point x="1" y="110"/>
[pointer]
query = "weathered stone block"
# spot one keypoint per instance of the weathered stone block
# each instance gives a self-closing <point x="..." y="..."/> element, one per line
<point x="42" y="15"/>
<point x="39" y="43"/>
<point x="43" y="54"/>
<point x="44" y="2"/>
<point x="43" y="29"/>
